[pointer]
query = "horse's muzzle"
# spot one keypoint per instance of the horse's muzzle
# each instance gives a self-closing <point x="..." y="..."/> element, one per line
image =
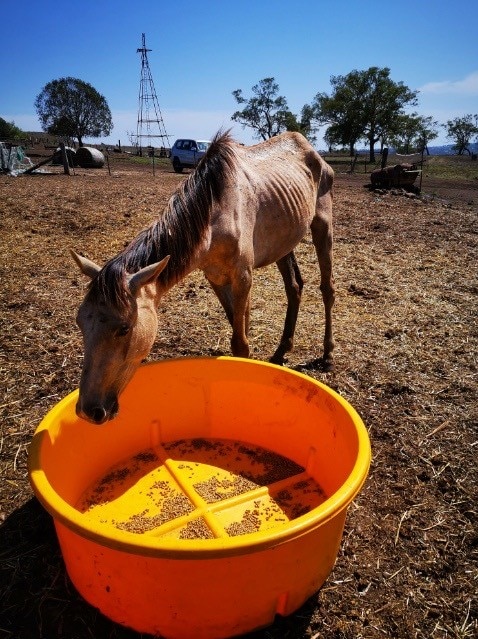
<point x="97" y="414"/>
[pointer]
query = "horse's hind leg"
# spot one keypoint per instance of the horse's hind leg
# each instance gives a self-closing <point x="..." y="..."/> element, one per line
<point x="321" y="229"/>
<point x="294" y="284"/>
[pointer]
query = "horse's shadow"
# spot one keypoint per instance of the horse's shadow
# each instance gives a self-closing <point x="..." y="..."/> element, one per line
<point x="317" y="365"/>
<point x="39" y="601"/>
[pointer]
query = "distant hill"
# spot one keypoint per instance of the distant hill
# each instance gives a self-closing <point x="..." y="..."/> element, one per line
<point x="448" y="149"/>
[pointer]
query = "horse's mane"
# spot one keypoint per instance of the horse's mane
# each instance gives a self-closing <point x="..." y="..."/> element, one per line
<point x="177" y="232"/>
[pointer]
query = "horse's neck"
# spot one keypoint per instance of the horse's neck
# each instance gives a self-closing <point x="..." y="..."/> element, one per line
<point x="177" y="270"/>
<point x="182" y="232"/>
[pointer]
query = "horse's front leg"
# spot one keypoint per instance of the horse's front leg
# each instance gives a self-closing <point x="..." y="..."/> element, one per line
<point x="224" y="295"/>
<point x="241" y="299"/>
<point x="235" y="300"/>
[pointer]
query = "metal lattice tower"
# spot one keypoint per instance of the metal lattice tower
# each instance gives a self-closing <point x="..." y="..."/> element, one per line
<point x="150" y="126"/>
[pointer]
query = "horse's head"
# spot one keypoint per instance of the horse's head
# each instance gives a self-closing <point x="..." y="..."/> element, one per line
<point x="119" y="327"/>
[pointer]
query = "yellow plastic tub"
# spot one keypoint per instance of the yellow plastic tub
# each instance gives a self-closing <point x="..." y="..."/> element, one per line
<point x="214" y="501"/>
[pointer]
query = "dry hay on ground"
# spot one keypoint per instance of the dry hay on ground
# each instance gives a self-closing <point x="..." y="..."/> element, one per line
<point x="405" y="323"/>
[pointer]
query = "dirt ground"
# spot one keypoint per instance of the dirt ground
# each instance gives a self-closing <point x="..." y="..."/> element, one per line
<point x="406" y="334"/>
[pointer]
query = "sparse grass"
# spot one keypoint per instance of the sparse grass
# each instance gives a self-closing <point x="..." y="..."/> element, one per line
<point x="406" y="333"/>
<point x="452" y="167"/>
<point x="342" y="163"/>
<point x="164" y="163"/>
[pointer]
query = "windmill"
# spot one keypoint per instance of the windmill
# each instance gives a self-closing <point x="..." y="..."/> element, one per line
<point x="150" y="127"/>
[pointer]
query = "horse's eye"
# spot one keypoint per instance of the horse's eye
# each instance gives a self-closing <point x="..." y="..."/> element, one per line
<point x="123" y="330"/>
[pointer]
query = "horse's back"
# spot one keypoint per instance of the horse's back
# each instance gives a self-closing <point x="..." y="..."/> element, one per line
<point x="290" y="147"/>
<point x="291" y="159"/>
<point x="274" y="195"/>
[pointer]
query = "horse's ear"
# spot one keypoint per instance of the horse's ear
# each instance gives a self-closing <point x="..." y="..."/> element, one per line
<point x="87" y="267"/>
<point x="146" y="275"/>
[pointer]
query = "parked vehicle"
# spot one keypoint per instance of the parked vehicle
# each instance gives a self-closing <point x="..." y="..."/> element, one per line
<point x="185" y="154"/>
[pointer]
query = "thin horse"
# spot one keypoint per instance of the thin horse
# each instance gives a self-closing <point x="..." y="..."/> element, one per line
<point x="242" y="208"/>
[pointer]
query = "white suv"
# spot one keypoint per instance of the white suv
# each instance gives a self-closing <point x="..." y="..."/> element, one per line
<point x="185" y="154"/>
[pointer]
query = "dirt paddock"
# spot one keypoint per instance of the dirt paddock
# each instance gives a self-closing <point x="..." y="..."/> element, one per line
<point x="406" y="334"/>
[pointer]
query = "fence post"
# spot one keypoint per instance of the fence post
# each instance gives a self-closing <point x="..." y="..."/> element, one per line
<point x="64" y="157"/>
<point x="384" y="157"/>
<point x="421" y="172"/>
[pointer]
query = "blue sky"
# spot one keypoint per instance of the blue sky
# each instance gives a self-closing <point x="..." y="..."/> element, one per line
<point x="203" y="50"/>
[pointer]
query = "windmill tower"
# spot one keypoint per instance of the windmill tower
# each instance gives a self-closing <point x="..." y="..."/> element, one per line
<point x="150" y="128"/>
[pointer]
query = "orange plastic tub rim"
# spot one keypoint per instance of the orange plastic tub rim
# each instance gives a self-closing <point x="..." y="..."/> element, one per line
<point x="214" y="501"/>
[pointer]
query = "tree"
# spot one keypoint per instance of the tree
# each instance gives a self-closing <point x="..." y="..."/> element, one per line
<point x="427" y="131"/>
<point x="266" y="112"/>
<point x="414" y="132"/>
<point x="363" y="104"/>
<point x="72" y="108"/>
<point x="305" y="125"/>
<point x="8" y="131"/>
<point x="340" y="111"/>
<point x="461" y="131"/>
